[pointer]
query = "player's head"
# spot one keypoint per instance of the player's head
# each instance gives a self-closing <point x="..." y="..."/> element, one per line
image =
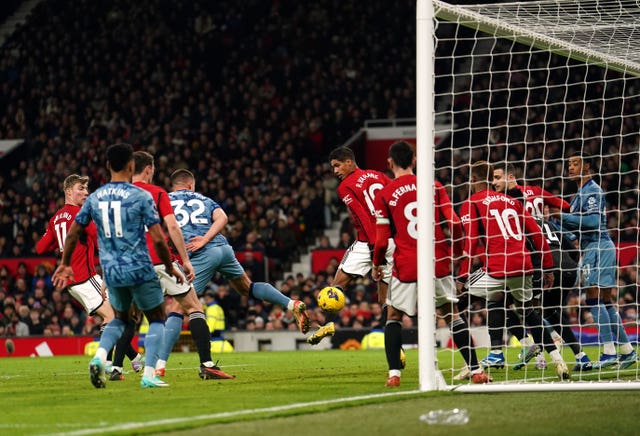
<point x="76" y="189"/>
<point x="343" y="161"/>
<point x="120" y="158"/>
<point x="582" y="164"/>
<point x="183" y="179"/>
<point x="401" y="155"/>
<point x="143" y="165"/>
<point x="481" y="174"/>
<point x="504" y="176"/>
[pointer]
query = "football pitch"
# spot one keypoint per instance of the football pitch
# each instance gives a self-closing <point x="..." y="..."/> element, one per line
<point x="275" y="393"/>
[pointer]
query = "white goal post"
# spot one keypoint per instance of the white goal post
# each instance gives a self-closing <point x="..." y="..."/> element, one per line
<point x="528" y="83"/>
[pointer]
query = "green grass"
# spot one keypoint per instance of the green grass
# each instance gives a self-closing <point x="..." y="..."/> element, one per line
<point x="275" y="393"/>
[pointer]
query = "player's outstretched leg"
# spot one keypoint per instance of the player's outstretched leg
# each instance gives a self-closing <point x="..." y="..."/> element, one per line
<point x="329" y="329"/>
<point x="266" y="292"/>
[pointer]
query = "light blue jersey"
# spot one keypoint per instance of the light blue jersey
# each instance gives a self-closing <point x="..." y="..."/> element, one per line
<point x="194" y="213"/>
<point x="588" y="220"/>
<point x="121" y="211"/>
<point x="588" y="216"/>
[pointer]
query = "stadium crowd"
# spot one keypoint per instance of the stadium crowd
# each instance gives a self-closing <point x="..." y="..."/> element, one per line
<point x="251" y="99"/>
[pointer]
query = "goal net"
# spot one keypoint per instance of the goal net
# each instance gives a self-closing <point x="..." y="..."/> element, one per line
<point x="533" y="84"/>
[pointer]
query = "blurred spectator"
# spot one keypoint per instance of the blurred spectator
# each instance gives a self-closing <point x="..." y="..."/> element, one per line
<point x="254" y="269"/>
<point x="346" y="240"/>
<point x="324" y="243"/>
<point x="42" y="278"/>
<point x="254" y="103"/>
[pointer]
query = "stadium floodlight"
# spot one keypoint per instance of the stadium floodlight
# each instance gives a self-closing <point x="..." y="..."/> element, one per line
<point x="529" y="83"/>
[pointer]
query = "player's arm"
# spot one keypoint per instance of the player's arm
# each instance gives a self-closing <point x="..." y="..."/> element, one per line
<point x="178" y="241"/>
<point x="160" y="244"/>
<point x="537" y="238"/>
<point x="360" y="213"/>
<point x="579" y="221"/>
<point x="383" y="233"/>
<point x="46" y="243"/>
<point x="455" y="224"/>
<point x="470" y="225"/>
<point x="64" y="272"/>
<point x="588" y="215"/>
<point x="220" y="220"/>
<point x="553" y="200"/>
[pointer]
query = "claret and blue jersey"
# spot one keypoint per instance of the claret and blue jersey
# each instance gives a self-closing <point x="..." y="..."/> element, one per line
<point x="194" y="214"/>
<point x="587" y="214"/>
<point x="121" y="211"/>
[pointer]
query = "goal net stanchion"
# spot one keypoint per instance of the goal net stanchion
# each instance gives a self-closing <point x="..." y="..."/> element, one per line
<point x="528" y="83"/>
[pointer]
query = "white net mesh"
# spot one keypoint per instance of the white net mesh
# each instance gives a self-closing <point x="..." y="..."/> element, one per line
<point x="531" y="84"/>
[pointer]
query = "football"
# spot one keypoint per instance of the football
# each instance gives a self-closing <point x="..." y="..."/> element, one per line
<point x="331" y="299"/>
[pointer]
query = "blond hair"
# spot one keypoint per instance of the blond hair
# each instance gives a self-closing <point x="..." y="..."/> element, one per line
<point x="71" y="180"/>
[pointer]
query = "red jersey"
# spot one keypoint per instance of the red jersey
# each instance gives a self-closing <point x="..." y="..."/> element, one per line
<point x="397" y="216"/>
<point x="537" y="198"/>
<point x="161" y="199"/>
<point x="358" y="192"/>
<point x="83" y="260"/>
<point x="500" y="223"/>
<point x="444" y="214"/>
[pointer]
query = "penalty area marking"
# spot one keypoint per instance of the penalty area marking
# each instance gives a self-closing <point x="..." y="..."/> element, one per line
<point x="169" y="421"/>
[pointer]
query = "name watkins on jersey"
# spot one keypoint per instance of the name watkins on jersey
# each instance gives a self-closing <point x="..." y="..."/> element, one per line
<point x="113" y="191"/>
<point x="400" y="191"/>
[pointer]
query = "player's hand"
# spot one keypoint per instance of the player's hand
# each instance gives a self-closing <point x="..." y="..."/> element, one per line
<point x="172" y="271"/>
<point x="189" y="272"/>
<point x="554" y="212"/>
<point x="62" y="276"/>
<point x="376" y="273"/>
<point x="459" y="287"/>
<point x="103" y="291"/>
<point x="547" y="280"/>
<point x="196" y="243"/>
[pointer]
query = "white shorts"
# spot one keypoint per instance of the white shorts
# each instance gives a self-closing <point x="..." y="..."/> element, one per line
<point x="88" y="293"/>
<point x="481" y="284"/>
<point x="403" y="296"/>
<point x="168" y="283"/>
<point x="357" y="260"/>
<point x="446" y="291"/>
